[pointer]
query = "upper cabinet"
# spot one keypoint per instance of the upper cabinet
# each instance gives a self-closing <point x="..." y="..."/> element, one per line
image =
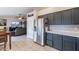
<point x="75" y="16"/>
<point x="45" y="16"/>
<point x="67" y="17"/>
<point x="63" y="17"/>
<point x="51" y="19"/>
<point x="57" y="18"/>
<point x="46" y="20"/>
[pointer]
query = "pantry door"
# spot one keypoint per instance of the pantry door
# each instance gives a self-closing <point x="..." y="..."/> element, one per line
<point x="30" y="27"/>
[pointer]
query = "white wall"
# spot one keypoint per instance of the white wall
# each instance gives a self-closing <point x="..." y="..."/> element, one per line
<point x="64" y="27"/>
<point x="52" y="9"/>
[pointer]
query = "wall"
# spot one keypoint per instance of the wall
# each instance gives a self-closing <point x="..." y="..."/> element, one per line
<point x="52" y="9"/>
<point x="64" y="27"/>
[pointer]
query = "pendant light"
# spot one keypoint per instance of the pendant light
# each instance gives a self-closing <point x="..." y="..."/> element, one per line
<point x="20" y="16"/>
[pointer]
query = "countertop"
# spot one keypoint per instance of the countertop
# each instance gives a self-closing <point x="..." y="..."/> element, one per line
<point x="73" y="33"/>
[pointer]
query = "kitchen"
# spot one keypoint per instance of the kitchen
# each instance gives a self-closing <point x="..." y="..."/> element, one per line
<point x="52" y="29"/>
<point x="59" y="29"/>
<point x="63" y="30"/>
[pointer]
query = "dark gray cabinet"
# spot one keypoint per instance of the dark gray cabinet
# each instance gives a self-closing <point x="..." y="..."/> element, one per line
<point x="62" y="42"/>
<point x="49" y="39"/>
<point x="49" y="36"/>
<point x="75" y="16"/>
<point x="63" y="17"/>
<point x="57" y="18"/>
<point x="67" y="17"/>
<point x="49" y="43"/>
<point x="50" y="18"/>
<point x="54" y="40"/>
<point x="77" y="47"/>
<point x="69" y="43"/>
<point x="45" y="17"/>
<point x="57" y="41"/>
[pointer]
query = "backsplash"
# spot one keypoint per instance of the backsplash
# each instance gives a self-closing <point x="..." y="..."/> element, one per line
<point x="64" y="27"/>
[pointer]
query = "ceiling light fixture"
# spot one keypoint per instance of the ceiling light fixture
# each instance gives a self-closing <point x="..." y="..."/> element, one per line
<point x="21" y="16"/>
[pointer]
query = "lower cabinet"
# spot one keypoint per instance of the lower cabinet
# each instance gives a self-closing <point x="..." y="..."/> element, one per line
<point x="49" y="39"/>
<point x="62" y="42"/>
<point x="54" y="40"/>
<point x="49" y="36"/>
<point x="49" y="43"/>
<point x="69" y="43"/>
<point x="77" y="47"/>
<point x="57" y="41"/>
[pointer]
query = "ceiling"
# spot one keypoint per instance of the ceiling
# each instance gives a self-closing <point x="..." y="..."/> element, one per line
<point x="14" y="11"/>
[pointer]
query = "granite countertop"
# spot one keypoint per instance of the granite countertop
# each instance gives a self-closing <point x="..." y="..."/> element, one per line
<point x="73" y="33"/>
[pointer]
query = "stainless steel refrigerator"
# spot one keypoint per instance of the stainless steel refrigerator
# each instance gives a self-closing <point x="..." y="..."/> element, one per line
<point x="39" y="31"/>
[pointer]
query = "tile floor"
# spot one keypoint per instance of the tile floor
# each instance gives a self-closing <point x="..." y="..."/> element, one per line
<point x="20" y="43"/>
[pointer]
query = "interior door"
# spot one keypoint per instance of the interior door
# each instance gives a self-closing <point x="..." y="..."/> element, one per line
<point x="30" y="27"/>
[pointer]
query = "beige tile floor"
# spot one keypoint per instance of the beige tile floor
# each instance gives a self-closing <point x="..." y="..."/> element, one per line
<point x="27" y="45"/>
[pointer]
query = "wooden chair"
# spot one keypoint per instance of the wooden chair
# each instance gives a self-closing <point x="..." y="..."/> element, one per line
<point x="3" y="38"/>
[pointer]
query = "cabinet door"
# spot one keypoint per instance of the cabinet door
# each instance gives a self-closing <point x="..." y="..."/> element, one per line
<point x="57" y="41"/>
<point x="49" y="43"/>
<point x="50" y="18"/>
<point x="75" y="16"/>
<point x="77" y="44"/>
<point x="49" y="39"/>
<point x="45" y="17"/>
<point x="66" y="17"/>
<point x="68" y="43"/>
<point x="57" y="18"/>
<point x="49" y="36"/>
